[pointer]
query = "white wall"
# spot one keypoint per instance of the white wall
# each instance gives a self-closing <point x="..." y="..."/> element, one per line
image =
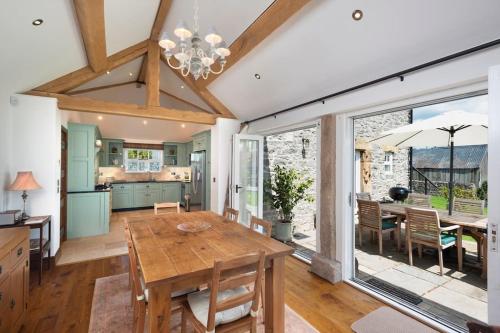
<point x="221" y="156"/>
<point x="36" y="147"/>
<point x="494" y="194"/>
<point x="5" y="153"/>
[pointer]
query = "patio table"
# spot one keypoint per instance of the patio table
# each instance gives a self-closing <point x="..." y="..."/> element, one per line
<point x="471" y="222"/>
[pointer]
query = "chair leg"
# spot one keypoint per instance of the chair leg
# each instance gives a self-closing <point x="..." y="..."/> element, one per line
<point x="253" y="328"/>
<point x="141" y="320"/>
<point x="183" y="321"/>
<point x="360" y="232"/>
<point x="398" y="234"/>
<point x="380" y="250"/>
<point x="373" y="236"/>
<point x="420" y="251"/>
<point x="410" y="253"/>
<point x="440" y="254"/>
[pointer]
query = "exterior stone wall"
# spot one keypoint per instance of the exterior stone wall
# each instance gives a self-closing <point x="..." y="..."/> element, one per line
<point x="366" y="129"/>
<point x="286" y="149"/>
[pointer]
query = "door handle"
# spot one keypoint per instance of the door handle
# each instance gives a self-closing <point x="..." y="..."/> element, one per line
<point x="238" y="188"/>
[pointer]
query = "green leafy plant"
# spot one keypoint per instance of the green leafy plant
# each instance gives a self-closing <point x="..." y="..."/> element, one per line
<point x="458" y="192"/>
<point x="482" y="191"/>
<point x="288" y="188"/>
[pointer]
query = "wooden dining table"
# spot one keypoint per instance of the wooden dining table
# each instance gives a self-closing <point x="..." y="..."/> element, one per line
<point x="172" y="260"/>
<point x="474" y="223"/>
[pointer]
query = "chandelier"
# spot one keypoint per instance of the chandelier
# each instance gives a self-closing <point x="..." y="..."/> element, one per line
<point x="192" y="57"/>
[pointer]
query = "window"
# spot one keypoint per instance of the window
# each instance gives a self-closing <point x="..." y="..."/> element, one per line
<point x="143" y="160"/>
<point x="388" y="163"/>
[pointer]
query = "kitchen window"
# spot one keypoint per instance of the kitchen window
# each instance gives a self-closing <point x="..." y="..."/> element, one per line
<point x="143" y="160"/>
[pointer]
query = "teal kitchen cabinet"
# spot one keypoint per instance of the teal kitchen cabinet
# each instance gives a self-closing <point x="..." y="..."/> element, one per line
<point x="181" y="155"/>
<point x="123" y="196"/>
<point x="170" y="157"/>
<point x="146" y="194"/>
<point x="88" y="214"/>
<point x="189" y="150"/>
<point x="82" y="155"/>
<point x="112" y="153"/>
<point x="201" y="141"/>
<point x="171" y="192"/>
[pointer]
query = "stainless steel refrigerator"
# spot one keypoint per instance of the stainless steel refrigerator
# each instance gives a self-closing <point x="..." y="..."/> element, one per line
<point x="198" y="179"/>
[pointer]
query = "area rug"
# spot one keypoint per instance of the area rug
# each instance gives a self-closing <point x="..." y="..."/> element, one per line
<point x="112" y="312"/>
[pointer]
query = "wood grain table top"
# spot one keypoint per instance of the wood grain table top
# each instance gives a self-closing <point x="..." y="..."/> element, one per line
<point x="168" y="254"/>
<point x="457" y="218"/>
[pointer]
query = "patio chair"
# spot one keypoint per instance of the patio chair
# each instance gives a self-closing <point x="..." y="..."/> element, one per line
<point x="363" y="196"/>
<point x="371" y="218"/>
<point x="421" y="200"/>
<point x="231" y="214"/>
<point x="471" y="206"/>
<point x="424" y="229"/>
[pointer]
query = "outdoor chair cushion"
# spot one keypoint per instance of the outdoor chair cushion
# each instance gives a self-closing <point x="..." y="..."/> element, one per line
<point x="199" y="303"/>
<point x="388" y="223"/>
<point x="447" y="239"/>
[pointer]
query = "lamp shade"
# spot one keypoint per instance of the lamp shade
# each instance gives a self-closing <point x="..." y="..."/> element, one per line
<point x="24" y="182"/>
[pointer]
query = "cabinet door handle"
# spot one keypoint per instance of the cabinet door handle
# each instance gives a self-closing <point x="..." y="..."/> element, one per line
<point x="1" y="296"/>
<point x="19" y="251"/>
<point x="0" y="269"/>
<point x="12" y="304"/>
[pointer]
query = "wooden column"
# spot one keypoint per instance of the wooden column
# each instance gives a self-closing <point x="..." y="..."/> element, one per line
<point x="153" y="75"/>
<point x="324" y="263"/>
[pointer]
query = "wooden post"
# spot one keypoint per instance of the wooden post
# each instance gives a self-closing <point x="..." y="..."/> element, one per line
<point x="153" y="75"/>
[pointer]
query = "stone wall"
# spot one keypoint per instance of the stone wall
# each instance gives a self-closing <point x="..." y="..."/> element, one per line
<point x="366" y="129"/>
<point x="286" y="149"/>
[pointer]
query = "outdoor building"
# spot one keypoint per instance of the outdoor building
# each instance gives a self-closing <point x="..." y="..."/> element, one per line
<point x="470" y="165"/>
<point x="380" y="168"/>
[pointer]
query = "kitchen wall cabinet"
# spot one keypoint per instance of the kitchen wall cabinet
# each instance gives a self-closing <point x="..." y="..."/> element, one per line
<point x="122" y="196"/>
<point x="112" y="153"/>
<point x="189" y="150"/>
<point x="176" y="154"/>
<point x="171" y="192"/>
<point x="201" y="141"/>
<point x="82" y="156"/>
<point x="88" y="214"/>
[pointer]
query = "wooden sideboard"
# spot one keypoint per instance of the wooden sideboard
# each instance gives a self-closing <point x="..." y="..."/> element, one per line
<point x="14" y="277"/>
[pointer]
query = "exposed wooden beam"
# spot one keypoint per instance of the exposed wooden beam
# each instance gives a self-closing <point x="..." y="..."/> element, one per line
<point x="85" y="74"/>
<point x="184" y="101"/>
<point x="83" y="104"/>
<point x="83" y="91"/>
<point x="203" y="93"/>
<point x="142" y="73"/>
<point x="161" y="15"/>
<point x="90" y="15"/>
<point x="153" y="75"/>
<point x="271" y="19"/>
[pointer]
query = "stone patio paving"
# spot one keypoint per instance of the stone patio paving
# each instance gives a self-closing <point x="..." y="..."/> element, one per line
<point x="455" y="296"/>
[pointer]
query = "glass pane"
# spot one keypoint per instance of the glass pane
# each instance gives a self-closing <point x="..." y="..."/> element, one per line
<point x="249" y="178"/>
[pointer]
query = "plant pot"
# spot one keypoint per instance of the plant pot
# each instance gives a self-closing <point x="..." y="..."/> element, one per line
<point x="284" y="230"/>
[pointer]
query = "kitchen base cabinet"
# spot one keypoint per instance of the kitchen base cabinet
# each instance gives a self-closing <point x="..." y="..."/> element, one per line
<point x="123" y="196"/>
<point x="171" y="192"/>
<point x="145" y="195"/>
<point x="14" y="278"/>
<point x="88" y="214"/>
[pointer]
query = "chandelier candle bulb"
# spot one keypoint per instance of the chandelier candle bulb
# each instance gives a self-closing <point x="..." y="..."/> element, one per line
<point x="182" y="31"/>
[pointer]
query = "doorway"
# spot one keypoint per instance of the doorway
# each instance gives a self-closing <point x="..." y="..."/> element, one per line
<point x="63" y="184"/>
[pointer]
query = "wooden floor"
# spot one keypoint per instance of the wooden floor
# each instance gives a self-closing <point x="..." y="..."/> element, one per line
<point x="63" y="302"/>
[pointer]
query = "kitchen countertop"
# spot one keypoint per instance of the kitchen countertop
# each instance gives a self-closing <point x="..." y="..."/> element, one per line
<point x="103" y="190"/>
<point x="149" y="181"/>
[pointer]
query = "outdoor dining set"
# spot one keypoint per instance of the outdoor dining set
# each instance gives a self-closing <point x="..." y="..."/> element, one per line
<point x="425" y="226"/>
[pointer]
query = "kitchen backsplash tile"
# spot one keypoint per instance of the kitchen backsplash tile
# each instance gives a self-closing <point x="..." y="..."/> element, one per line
<point x="118" y="174"/>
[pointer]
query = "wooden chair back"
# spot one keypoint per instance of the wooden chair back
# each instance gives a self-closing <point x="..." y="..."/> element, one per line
<point x="231" y="214"/>
<point x="255" y="222"/>
<point x="363" y="196"/>
<point x="470" y="206"/>
<point x="423" y="225"/>
<point x="162" y="205"/>
<point x="421" y="200"/>
<point x="369" y="213"/>
<point x="233" y="273"/>
<point x="136" y="282"/>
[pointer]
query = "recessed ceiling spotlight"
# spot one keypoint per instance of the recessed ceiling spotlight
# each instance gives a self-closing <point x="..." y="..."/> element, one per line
<point x="257" y="76"/>
<point x="130" y="74"/>
<point x="145" y="122"/>
<point x="108" y="72"/>
<point x="182" y="86"/>
<point x="37" y="22"/>
<point x="183" y="125"/>
<point x="357" y="15"/>
<point x="99" y="117"/>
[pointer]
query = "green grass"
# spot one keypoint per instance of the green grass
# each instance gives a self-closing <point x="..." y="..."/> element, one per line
<point x="439" y="202"/>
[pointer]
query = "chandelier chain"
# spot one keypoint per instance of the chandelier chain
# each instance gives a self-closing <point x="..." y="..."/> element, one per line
<point x="196" y="11"/>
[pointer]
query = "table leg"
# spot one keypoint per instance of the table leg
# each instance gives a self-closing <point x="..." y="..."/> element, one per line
<point x="50" y="239"/>
<point x="41" y="256"/>
<point x="459" y="247"/>
<point x="159" y="309"/>
<point x="275" y="296"/>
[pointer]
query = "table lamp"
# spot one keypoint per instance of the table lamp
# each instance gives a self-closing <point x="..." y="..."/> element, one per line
<point x="24" y="182"/>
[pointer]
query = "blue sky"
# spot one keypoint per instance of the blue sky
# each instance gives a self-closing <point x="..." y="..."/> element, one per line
<point x="478" y="104"/>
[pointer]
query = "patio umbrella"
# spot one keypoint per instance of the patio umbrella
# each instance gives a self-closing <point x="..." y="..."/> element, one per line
<point x="453" y="128"/>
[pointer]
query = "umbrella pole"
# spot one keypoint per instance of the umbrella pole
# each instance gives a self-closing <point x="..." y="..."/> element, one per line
<point x="451" y="183"/>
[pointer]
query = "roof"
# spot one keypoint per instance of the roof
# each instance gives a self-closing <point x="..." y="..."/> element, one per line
<point x="466" y="157"/>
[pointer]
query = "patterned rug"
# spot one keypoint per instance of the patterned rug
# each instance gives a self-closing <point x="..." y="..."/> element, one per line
<point x="112" y="312"/>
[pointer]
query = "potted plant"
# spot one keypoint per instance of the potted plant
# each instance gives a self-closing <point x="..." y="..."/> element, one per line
<point x="288" y="188"/>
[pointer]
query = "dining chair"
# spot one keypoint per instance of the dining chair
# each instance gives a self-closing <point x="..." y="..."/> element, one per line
<point x="371" y="218"/>
<point x="471" y="206"/>
<point x="231" y="214"/>
<point x="363" y="196"/>
<point x="140" y="293"/>
<point x="267" y="226"/>
<point x="228" y="305"/>
<point x="424" y="229"/>
<point x="421" y="200"/>
<point x="162" y="205"/>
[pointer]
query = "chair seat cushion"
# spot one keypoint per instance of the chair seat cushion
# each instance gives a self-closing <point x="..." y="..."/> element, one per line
<point x="388" y="223"/>
<point x="447" y="239"/>
<point x="173" y="295"/>
<point x="199" y="303"/>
